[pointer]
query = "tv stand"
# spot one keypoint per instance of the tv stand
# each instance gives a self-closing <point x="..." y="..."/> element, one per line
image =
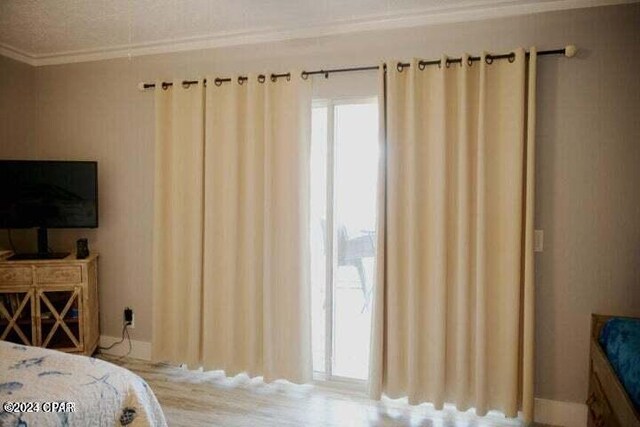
<point x="43" y="249"/>
<point x="48" y="255"/>
<point x="43" y="241"/>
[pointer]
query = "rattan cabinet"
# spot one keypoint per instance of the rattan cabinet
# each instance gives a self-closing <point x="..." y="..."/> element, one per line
<point x="50" y="303"/>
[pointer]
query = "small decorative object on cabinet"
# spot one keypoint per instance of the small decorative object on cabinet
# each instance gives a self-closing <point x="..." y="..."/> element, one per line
<point x="50" y="303"/>
<point x="82" y="248"/>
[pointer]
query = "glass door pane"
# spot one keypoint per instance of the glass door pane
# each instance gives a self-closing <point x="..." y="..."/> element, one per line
<point x="16" y="317"/>
<point x="356" y="169"/>
<point x="60" y="318"/>
<point x="318" y="235"/>
<point x="344" y="167"/>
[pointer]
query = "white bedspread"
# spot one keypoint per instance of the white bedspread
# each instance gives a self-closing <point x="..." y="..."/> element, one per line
<point x="101" y="393"/>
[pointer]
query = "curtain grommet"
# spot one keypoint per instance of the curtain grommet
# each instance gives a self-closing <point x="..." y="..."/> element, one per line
<point x="422" y="65"/>
<point x="261" y="78"/>
<point x="217" y="81"/>
<point x="186" y="84"/>
<point x="274" y="78"/>
<point x="304" y="75"/>
<point x="400" y="67"/>
<point x="512" y="57"/>
<point x="447" y="64"/>
<point x="240" y="80"/>
<point x="165" y="86"/>
<point x="288" y="77"/>
<point x="488" y="59"/>
<point x="469" y="62"/>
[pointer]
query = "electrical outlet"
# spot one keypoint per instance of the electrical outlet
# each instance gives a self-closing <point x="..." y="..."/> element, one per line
<point x="538" y="241"/>
<point x="129" y="317"/>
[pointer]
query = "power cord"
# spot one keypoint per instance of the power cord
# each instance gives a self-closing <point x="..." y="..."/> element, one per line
<point x="125" y="331"/>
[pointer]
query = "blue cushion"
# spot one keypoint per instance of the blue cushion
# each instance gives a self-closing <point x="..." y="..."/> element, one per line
<point x="620" y="340"/>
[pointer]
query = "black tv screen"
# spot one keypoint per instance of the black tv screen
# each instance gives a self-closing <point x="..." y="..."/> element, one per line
<point x="49" y="194"/>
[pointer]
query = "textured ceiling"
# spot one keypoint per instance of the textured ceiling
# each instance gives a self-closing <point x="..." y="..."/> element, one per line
<point x="46" y="28"/>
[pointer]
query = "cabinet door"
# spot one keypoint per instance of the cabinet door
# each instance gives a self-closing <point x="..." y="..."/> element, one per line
<point x="17" y="313"/>
<point x="59" y="318"/>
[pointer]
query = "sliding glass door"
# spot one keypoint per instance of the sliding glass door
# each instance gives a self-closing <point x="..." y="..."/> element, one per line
<point x="344" y="165"/>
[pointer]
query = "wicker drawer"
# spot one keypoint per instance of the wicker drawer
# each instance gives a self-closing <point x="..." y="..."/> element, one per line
<point x="15" y="275"/>
<point x="62" y="275"/>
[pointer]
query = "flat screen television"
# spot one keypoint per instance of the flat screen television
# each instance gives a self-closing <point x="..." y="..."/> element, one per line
<point x="48" y="194"/>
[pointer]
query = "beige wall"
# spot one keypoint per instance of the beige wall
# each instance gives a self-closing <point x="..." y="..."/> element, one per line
<point x="17" y="118"/>
<point x="17" y="109"/>
<point x="588" y="169"/>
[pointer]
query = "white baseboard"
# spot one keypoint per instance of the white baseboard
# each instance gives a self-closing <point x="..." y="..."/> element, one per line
<point x="558" y="413"/>
<point x="551" y="412"/>
<point x="139" y="349"/>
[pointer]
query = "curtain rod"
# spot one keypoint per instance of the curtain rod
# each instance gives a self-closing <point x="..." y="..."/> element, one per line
<point x="569" y="51"/>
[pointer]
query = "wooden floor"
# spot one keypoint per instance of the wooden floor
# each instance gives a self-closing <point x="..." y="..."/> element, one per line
<point x="192" y="398"/>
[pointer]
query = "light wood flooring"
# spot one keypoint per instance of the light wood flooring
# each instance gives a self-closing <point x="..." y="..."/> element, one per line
<point x="193" y="398"/>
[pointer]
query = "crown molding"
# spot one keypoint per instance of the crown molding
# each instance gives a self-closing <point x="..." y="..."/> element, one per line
<point x="18" y="55"/>
<point x="481" y="10"/>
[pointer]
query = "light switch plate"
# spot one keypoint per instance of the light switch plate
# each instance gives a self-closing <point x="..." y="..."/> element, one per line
<point x="538" y="241"/>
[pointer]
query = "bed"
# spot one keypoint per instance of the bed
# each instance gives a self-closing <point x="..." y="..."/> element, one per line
<point x="71" y="390"/>
<point x="614" y="372"/>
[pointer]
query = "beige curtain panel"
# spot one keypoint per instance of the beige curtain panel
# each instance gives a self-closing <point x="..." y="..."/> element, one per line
<point x="231" y="283"/>
<point x="178" y="225"/>
<point x="256" y="296"/>
<point x="453" y="311"/>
